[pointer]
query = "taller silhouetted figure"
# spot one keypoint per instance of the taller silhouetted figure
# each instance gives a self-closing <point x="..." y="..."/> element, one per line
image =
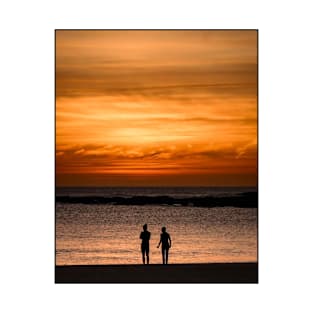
<point x="165" y="239"/>
<point x="145" y="237"/>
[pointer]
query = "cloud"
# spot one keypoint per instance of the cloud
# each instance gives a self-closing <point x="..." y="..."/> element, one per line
<point x="159" y="160"/>
<point x="247" y="149"/>
<point x="154" y="65"/>
<point x="80" y="151"/>
<point x="125" y="99"/>
<point x="159" y="83"/>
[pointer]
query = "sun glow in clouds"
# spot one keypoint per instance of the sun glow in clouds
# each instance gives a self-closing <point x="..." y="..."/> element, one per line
<point x="156" y="108"/>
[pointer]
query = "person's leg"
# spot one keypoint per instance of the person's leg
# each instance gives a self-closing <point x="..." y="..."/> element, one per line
<point x="163" y="256"/>
<point x="166" y="256"/>
<point x="147" y="254"/>
<point x="143" y="254"/>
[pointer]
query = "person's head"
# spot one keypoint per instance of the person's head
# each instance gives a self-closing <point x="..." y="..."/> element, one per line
<point x="163" y="229"/>
<point x="145" y="227"/>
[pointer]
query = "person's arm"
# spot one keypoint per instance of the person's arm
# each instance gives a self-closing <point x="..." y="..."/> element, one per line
<point x="159" y="242"/>
<point x="140" y="237"/>
<point x="169" y="238"/>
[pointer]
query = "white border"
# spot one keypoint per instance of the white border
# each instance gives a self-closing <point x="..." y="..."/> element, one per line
<point x="27" y="156"/>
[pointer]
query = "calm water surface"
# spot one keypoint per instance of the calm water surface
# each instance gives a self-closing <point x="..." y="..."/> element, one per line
<point x="109" y="234"/>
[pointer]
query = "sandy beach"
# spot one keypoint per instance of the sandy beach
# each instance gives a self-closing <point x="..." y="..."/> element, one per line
<point x="157" y="273"/>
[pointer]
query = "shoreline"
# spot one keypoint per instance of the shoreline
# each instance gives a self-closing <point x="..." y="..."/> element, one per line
<point x="158" y="273"/>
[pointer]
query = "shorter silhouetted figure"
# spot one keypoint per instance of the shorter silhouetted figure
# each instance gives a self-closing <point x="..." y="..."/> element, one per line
<point x="145" y="237"/>
<point x="165" y="239"/>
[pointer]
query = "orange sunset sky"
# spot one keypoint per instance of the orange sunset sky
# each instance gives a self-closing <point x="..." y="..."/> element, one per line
<point x="156" y="108"/>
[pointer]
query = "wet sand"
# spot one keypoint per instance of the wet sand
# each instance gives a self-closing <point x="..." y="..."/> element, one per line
<point x="158" y="273"/>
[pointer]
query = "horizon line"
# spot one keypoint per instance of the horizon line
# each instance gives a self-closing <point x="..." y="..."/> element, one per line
<point x="161" y="186"/>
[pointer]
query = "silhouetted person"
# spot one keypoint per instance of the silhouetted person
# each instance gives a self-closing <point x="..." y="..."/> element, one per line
<point x="145" y="237"/>
<point x="165" y="239"/>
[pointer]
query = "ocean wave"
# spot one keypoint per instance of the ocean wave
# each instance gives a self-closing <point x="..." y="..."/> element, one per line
<point x="243" y="200"/>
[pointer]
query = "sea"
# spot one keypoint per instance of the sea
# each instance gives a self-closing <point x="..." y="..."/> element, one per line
<point x="89" y="232"/>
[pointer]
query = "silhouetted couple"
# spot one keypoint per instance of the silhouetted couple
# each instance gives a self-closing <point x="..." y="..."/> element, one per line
<point x="165" y="239"/>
